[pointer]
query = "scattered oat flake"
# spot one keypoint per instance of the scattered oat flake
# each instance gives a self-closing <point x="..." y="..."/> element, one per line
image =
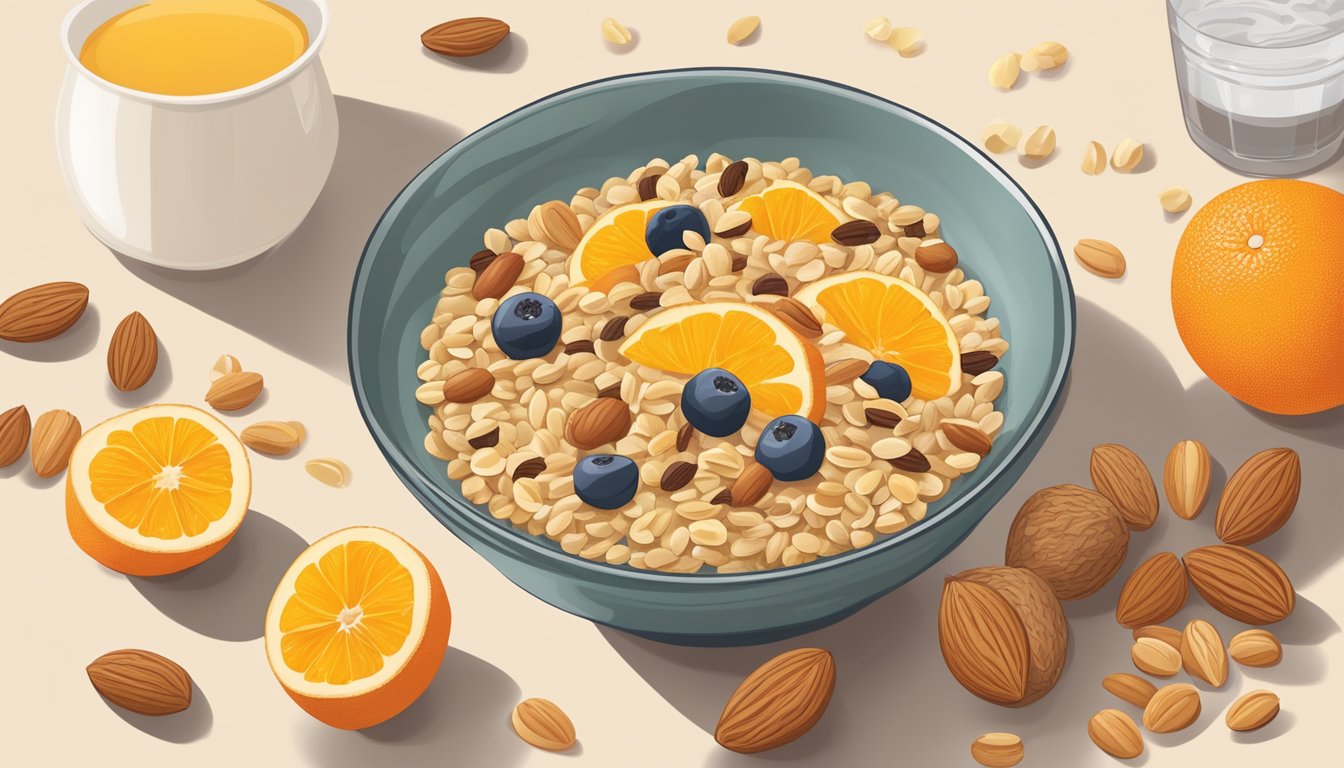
<point x="1004" y="71"/>
<point x="907" y="41"/>
<point x="743" y="28"/>
<point x="1001" y="137"/>
<point x="878" y="28"/>
<point x="1175" y="199"/>
<point x="614" y="32"/>
<point x="333" y="472"/>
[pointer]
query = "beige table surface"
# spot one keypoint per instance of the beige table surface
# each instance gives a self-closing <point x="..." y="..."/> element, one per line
<point x="636" y="703"/>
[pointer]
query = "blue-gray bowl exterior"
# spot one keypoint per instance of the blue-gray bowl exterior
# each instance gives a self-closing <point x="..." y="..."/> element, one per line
<point x="581" y="136"/>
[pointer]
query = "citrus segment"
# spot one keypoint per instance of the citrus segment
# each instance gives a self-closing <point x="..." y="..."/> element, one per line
<point x="615" y="240"/>
<point x="790" y="211"/>
<point x="783" y="372"/>
<point x="894" y="321"/>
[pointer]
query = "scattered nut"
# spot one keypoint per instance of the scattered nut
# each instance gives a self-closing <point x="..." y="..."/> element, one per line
<point x="1070" y="536"/>
<point x="1253" y="710"/>
<point x="1040" y="143"/>
<point x="224" y="365"/>
<point x="333" y="472"/>
<point x="1003" y="72"/>
<point x="1175" y="199"/>
<point x="140" y="681"/>
<point x="907" y="41"/>
<point x="1172" y="708"/>
<point x="1155" y="657"/>
<point x="1127" y="155"/>
<point x="778" y="702"/>
<point x="1001" y="137"/>
<point x="878" y="28"/>
<point x="997" y="750"/>
<point x="1202" y="653"/>
<point x="740" y="30"/>
<point x="1116" y="734"/>
<point x="1094" y="158"/>
<point x="1046" y="55"/>
<point x="234" y="391"/>
<point x="15" y="428"/>
<point x="54" y="435"/>
<point x="614" y="32"/>
<point x="1185" y="478"/>
<point x="1100" y="258"/>
<point x="273" y="438"/>
<point x="1255" y="648"/>
<point x="544" y="725"/>
<point x="1131" y="688"/>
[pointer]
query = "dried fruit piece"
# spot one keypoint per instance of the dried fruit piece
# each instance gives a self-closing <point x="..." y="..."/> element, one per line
<point x="997" y="750"/>
<point x="224" y="365"/>
<point x="1116" y="734"/>
<point x="468" y="385"/>
<point x="54" y="436"/>
<point x="1100" y="258"/>
<point x="1127" y="155"/>
<point x="1121" y="476"/>
<point x="1253" y="710"/>
<point x="530" y="468"/>
<point x="1241" y="583"/>
<point x="1001" y="137"/>
<point x="235" y="391"/>
<point x="15" y="428"/>
<point x="1131" y="688"/>
<point x="878" y="28"/>
<point x="42" y="312"/>
<point x="465" y="37"/>
<point x="1047" y="55"/>
<point x="1255" y="648"/>
<point x="273" y="438"/>
<point x="1154" y="592"/>
<point x="1172" y="708"/>
<point x="935" y="255"/>
<point x="1202" y="653"/>
<point x="1155" y="657"/>
<point x="1175" y="199"/>
<point x="133" y="353"/>
<point x="1168" y="635"/>
<point x="1259" y="497"/>
<point x="907" y="41"/>
<point x="544" y="725"/>
<point x="1070" y="536"/>
<point x="677" y="475"/>
<point x="856" y="232"/>
<point x="1040" y="143"/>
<point x="1094" y="158"/>
<point x="743" y="28"/>
<point x="614" y="32"/>
<point x="1186" y="478"/>
<point x="1003" y="72"/>
<point x="328" y="471"/>
<point x="778" y="702"/>
<point x="140" y="681"/>
<point x="604" y="420"/>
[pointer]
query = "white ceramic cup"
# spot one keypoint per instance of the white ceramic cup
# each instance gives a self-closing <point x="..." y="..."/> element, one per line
<point x="195" y="182"/>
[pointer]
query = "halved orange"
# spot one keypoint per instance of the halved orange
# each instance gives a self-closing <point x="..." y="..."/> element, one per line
<point x="156" y="490"/>
<point x="357" y="627"/>
<point x="616" y="239"/>
<point x="786" y="210"/>
<point x="896" y="322"/>
<point x="783" y="371"/>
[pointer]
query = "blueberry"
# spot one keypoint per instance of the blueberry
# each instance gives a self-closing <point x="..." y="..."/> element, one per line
<point x="665" y="228"/>
<point x="526" y="325"/>
<point x="716" y="402"/>
<point x="606" y="481"/>
<point x="791" y="447"/>
<point x="889" y="379"/>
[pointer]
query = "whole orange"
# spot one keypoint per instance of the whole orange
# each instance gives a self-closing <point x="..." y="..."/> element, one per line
<point x="1258" y="294"/>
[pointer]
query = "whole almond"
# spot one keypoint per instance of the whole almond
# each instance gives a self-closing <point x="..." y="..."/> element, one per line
<point x="1259" y="497"/>
<point x="1241" y="583"/>
<point x="1185" y="478"/>
<point x="604" y="420"/>
<point x="133" y="353"/>
<point x="1121" y="476"/>
<point x="468" y="385"/>
<point x="1131" y="688"/>
<point x="797" y="316"/>
<point x="544" y="725"/>
<point x="560" y="225"/>
<point x="935" y="255"/>
<point x="498" y="276"/>
<point x="1155" y="657"/>
<point x="983" y="641"/>
<point x="140" y="681"/>
<point x="967" y="437"/>
<point x="1253" y="710"/>
<point x="751" y="485"/>
<point x="1042" y="618"/>
<point x="1100" y="258"/>
<point x="273" y="438"/>
<point x="1116" y="734"/>
<point x="235" y="391"/>
<point x="845" y="371"/>
<point x="778" y="702"/>
<point x="1072" y="537"/>
<point x="465" y="37"/>
<point x="997" y="750"/>
<point x="1172" y="708"/>
<point x="1255" y="648"/>
<point x="15" y="428"/>
<point x="1168" y="635"/>
<point x="1202" y="653"/>
<point x="54" y="436"/>
<point x="1154" y="592"/>
<point x="42" y="312"/>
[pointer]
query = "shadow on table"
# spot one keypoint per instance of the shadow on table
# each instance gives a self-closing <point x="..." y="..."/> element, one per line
<point x="184" y="727"/>
<point x="77" y="340"/>
<point x="892" y="686"/>
<point x="226" y="596"/>
<point x="296" y="296"/>
<point x="462" y="719"/>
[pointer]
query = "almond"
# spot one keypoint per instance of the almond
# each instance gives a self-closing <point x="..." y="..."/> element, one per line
<point x="731" y="180"/>
<point x="498" y="276"/>
<point x="1253" y="710"/>
<point x="856" y="232"/>
<point x="1185" y="478"/>
<point x="677" y="475"/>
<point x="1240" y="583"/>
<point x="468" y="385"/>
<point x="967" y="437"/>
<point x="465" y="37"/>
<point x="1172" y="708"/>
<point x="42" y="312"/>
<point x="142" y="682"/>
<point x="997" y="750"/>
<point x="778" y="702"/>
<point x="328" y="471"/>
<point x="743" y="28"/>
<point x="133" y="353"/>
<point x="1130" y="688"/>
<point x="935" y="255"/>
<point x="983" y="641"/>
<point x="1255" y="648"/>
<point x="560" y="225"/>
<point x="1100" y="258"/>
<point x="1202" y="653"/>
<point x="797" y="316"/>
<point x="1070" y="536"/>
<point x="15" y="427"/>
<point x="235" y="391"/>
<point x="544" y="725"/>
<point x="1155" y="657"/>
<point x="751" y="485"/>
<point x="1121" y="476"/>
<point x="1259" y="497"/>
<point x="604" y="420"/>
<point x="845" y="371"/>
<point x="1116" y="734"/>
<point x="1154" y="592"/>
<point x="54" y="436"/>
<point x="273" y="438"/>
<point x="1172" y="637"/>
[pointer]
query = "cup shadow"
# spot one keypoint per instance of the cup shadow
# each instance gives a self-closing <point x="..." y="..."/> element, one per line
<point x="296" y="296"/>
<point x="187" y="726"/>
<point x="1121" y="390"/>
<point x="226" y="596"/>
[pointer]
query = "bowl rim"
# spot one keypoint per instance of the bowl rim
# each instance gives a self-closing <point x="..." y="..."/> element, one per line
<point x="1024" y="449"/>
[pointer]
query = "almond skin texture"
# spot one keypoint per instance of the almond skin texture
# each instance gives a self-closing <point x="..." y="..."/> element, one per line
<point x="54" y="436"/>
<point x="561" y="225"/>
<point x="15" y="428"/>
<point x="604" y="420"/>
<point x="235" y="391"/>
<point x="797" y="316"/>
<point x="1253" y="710"/>
<point x="1155" y="657"/>
<point x="1202" y="653"/>
<point x="133" y="353"/>
<point x="1172" y="708"/>
<point x="468" y="385"/>
<point x="1130" y="688"/>
<point x="778" y="702"/>
<point x="1255" y="648"/>
<point x="1042" y="617"/>
<point x="984" y="642"/>
<point x="1185" y="478"/>
<point x="544" y="725"/>
<point x="751" y="485"/>
<point x="42" y="312"/>
<point x="273" y="438"/>
<point x="1154" y="592"/>
<point x="1241" y="583"/>
<point x="997" y="750"/>
<point x="1168" y="635"/>
<point x="498" y="276"/>
<point x="142" y="682"/>
<point x="465" y="37"/>
<point x="1115" y="733"/>
<point x="1070" y="536"/>
<point x="1259" y="497"/>
<point x="1121" y="476"/>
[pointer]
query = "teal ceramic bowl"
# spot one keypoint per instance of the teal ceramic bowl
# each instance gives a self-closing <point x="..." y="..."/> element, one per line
<point x="581" y="136"/>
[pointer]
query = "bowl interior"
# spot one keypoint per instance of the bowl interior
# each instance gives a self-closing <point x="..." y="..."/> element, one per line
<point x="582" y="136"/>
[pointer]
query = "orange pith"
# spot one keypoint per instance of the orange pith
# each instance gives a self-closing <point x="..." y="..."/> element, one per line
<point x="789" y="211"/>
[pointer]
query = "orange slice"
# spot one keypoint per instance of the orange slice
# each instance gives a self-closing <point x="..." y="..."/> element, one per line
<point x="896" y="322"/>
<point x="615" y="240"/>
<point x="786" y="210"/>
<point x="783" y="371"/>
<point x="357" y="627"/>
<point x="156" y="490"/>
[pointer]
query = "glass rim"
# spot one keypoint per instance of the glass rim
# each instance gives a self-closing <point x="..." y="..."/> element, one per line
<point x="1173" y="7"/>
